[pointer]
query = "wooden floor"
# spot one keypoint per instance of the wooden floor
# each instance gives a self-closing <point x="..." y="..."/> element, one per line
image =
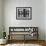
<point x="40" y="42"/>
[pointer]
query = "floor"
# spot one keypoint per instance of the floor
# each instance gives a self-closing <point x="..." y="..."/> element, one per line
<point x="25" y="43"/>
<point x="21" y="45"/>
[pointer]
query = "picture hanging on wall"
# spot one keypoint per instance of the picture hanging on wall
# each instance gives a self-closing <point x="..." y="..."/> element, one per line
<point x="23" y="13"/>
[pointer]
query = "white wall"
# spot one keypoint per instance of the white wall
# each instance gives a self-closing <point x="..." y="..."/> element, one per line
<point x="45" y="19"/>
<point x="0" y="18"/>
<point x="38" y="15"/>
<point x="0" y="12"/>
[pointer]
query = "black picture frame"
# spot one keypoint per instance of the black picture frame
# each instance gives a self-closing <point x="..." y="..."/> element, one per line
<point x="23" y="13"/>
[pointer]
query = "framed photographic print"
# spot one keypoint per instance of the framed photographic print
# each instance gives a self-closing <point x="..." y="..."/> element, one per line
<point x="23" y="13"/>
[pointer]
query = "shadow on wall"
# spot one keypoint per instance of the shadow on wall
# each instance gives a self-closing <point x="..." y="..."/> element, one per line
<point x="1" y="34"/>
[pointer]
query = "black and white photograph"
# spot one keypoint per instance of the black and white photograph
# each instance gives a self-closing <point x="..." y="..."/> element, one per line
<point x="23" y="13"/>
